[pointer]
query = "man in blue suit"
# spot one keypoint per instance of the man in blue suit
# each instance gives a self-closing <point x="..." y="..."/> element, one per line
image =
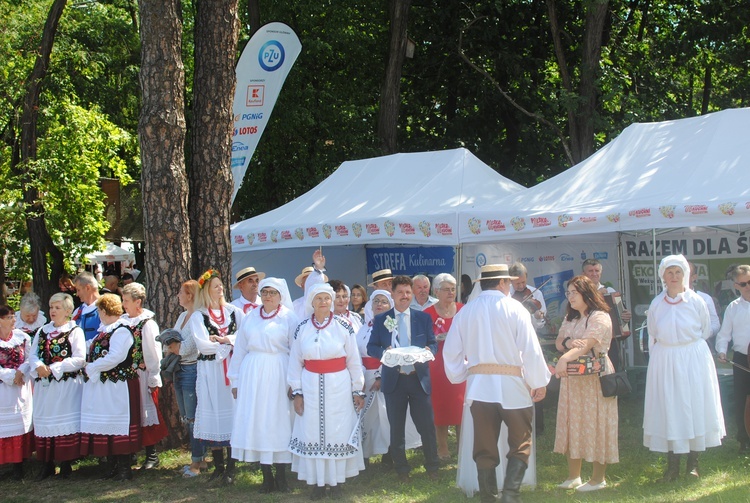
<point x="406" y="385"/>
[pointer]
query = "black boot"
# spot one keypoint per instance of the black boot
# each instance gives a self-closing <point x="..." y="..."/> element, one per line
<point x="152" y="459"/>
<point x="65" y="469"/>
<point x="47" y="470"/>
<point x="673" y="468"/>
<point x="218" y="473"/>
<point x="280" y="479"/>
<point x="268" y="485"/>
<point x="124" y="472"/>
<point x="487" y="485"/>
<point x="692" y="465"/>
<point x="336" y="492"/>
<point x="228" y="478"/>
<point x="513" y="479"/>
<point x="18" y="471"/>
<point x="318" y="493"/>
<point x="109" y="466"/>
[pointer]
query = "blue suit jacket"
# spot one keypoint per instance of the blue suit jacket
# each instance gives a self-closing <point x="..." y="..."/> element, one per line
<point x="421" y="336"/>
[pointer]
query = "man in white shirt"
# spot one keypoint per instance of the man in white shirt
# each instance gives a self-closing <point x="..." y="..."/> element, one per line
<point x="422" y="298"/>
<point x="710" y="304"/>
<point x="246" y="281"/>
<point x="492" y="345"/>
<point x="736" y="328"/>
<point x="307" y="279"/>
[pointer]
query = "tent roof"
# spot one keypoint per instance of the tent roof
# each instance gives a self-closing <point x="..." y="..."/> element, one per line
<point x="111" y="253"/>
<point x="409" y="198"/>
<point x="681" y="173"/>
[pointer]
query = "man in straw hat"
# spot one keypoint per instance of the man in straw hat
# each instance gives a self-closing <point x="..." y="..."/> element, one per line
<point x="492" y="345"/>
<point x="307" y="279"/>
<point x="382" y="280"/>
<point x="246" y="281"/>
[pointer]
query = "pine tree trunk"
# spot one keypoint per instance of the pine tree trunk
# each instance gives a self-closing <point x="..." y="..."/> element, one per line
<point x="164" y="182"/>
<point x="211" y="181"/>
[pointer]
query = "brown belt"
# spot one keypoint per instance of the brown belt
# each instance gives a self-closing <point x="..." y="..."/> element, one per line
<point x="495" y="369"/>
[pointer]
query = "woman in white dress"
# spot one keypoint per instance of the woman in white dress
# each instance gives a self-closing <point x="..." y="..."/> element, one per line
<point x="682" y="412"/>
<point x="147" y="356"/>
<point x="214" y="326"/>
<point x="325" y="374"/>
<point x="30" y="317"/>
<point x="111" y="398"/>
<point x="264" y="414"/>
<point x="16" y="438"/>
<point x="58" y="354"/>
<point x="341" y="304"/>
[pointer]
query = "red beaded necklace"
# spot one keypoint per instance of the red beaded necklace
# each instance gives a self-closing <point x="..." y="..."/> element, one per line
<point x="666" y="299"/>
<point x="275" y="312"/>
<point x="321" y="327"/>
<point x="219" y="320"/>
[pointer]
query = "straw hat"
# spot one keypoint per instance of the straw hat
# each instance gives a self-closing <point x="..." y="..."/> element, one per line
<point x="304" y="274"/>
<point x="380" y="276"/>
<point x="494" y="271"/>
<point x="246" y="273"/>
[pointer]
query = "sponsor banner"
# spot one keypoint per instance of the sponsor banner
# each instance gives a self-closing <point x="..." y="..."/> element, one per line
<point x="411" y="260"/>
<point x="264" y="65"/>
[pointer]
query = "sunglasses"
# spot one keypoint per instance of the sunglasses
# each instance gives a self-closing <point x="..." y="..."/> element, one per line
<point x="742" y="284"/>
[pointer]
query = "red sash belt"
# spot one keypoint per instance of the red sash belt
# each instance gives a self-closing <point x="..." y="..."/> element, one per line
<point x="326" y="366"/>
<point x="370" y="363"/>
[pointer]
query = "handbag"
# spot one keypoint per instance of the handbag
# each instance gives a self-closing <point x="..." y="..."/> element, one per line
<point x="616" y="384"/>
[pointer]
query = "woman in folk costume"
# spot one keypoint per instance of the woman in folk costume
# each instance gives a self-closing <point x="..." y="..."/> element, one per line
<point x="214" y="326"/>
<point x="111" y="399"/>
<point x="325" y="374"/>
<point x="58" y="354"/>
<point x="16" y="438"/>
<point x="264" y="415"/>
<point x="147" y="356"/>
<point x="29" y="317"/>
<point x="341" y="304"/>
<point x="682" y="408"/>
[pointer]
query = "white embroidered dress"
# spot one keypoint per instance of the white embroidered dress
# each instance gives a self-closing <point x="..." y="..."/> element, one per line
<point x="15" y="401"/>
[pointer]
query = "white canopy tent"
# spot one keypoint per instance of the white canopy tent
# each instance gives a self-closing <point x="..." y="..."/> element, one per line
<point x="411" y="199"/>
<point x="111" y="253"/>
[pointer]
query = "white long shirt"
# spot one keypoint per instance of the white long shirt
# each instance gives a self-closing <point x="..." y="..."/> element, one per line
<point x="495" y="329"/>
<point x="246" y="305"/>
<point x="712" y="314"/>
<point x="736" y="327"/>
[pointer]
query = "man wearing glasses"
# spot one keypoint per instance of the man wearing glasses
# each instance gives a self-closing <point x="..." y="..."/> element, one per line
<point x="736" y="328"/>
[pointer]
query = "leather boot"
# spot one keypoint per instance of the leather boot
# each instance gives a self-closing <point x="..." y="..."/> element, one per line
<point x="124" y="472"/>
<point x="218" y="473"/>
<point x="110" y="467"/>
<point x="227" y="478"/>
<point x="18" y="471"/>
<point x="47" y="470"/>
<point x="152" y="459"/>
<point x="65" y="469"/>
<point x="487" y="485"/>
<point x="268" y="485"/>
<point x="673" y="468"/>
<point x="692" y="465"/>
<point x="513" y="479"/>
<point x="281" y="483"/>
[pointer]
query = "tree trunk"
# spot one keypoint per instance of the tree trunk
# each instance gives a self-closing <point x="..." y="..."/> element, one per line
<point x="41" y="244"/>
<point x="164" y="184"/>
<point x="390" y="95"/>
<point x="3" y="298"/>
<point x="211" y="181"/>
<point x="253" y="16"/>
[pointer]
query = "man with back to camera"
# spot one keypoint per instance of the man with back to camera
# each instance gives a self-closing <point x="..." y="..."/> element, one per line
<point x="406" y="386"/>
<point x="492" y="345"/>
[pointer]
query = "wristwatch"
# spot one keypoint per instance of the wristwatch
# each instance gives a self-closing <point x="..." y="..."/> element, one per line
<point x="360" y="394"/>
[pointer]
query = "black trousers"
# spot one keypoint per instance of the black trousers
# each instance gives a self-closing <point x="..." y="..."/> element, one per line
<point x="741" y="381"/>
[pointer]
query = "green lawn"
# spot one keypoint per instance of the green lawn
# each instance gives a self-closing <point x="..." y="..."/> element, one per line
<point x="726" y="478"/>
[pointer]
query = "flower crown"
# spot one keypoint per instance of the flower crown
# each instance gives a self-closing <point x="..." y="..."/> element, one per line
<point x="206" y="276"/>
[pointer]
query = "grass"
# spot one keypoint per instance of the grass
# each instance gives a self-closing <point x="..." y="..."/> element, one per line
<point x="725" y="478"/>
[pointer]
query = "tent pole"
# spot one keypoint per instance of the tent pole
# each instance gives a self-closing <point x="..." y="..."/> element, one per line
<point x="656" y="273"/>
<point x="459" y="265"/>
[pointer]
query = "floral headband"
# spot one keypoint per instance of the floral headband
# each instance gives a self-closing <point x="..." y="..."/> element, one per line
<point x="206" y="276"/>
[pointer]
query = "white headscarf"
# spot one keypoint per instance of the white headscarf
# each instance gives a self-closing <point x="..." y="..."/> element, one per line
<point x="280" y="285"/>
<point x="318" y="288"/>
<point x="369" y="314"/>
<point x="679" y="261"/>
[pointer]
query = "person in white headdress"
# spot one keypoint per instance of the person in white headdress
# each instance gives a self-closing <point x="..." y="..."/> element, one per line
<point x="264" y="414"/>
<point x="307" y="279"/>
<point x="325" y="375"/>
<point x="682" y="412"/>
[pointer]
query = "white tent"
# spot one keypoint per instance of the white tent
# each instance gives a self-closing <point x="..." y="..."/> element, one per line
<point x="411" y="199"/>
<point x="111" y="253"/>
<point x="681" y="173"/>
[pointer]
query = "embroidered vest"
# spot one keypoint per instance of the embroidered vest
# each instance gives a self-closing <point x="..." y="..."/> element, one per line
<point x="137" y="351"/>
<point x="212" y="330"/>
<point x="100" y="347"/>
<point x="55" y="350"/>
<point x="13" y="357"/>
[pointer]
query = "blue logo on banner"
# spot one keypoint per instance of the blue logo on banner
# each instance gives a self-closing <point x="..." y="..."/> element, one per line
<point x="601" y="255"/>
<point x="481" y="259"/>
<point x="238" y="162"/>
<point x="271" y="56"/>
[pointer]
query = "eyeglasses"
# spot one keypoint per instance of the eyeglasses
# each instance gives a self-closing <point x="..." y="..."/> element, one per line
<point x="382" y="302"/>
<point x="570" y="293"/>
<point x="742" y="284"/>
<point x="268" y="293"/>
<point x="451" y="290"/>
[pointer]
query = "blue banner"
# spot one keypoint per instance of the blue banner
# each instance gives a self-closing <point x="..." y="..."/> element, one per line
<point x="411" y="260"/>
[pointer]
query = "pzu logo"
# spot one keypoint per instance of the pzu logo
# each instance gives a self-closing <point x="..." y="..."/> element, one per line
<point x="271" y="56"/>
